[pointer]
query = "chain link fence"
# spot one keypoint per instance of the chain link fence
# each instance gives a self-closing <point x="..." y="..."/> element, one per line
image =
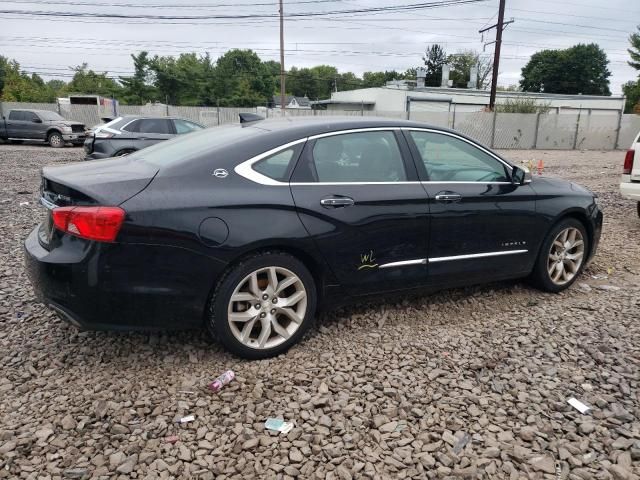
<point x="498" y="130"/>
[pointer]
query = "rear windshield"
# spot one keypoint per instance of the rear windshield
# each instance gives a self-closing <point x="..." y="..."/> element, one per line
<point x="185" y="147"/>
<point x="49" y="116"/>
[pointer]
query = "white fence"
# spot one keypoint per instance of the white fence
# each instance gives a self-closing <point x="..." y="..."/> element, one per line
<point x="497" y="130"/>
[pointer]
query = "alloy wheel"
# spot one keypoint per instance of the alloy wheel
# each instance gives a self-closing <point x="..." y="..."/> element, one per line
<point x="267" y="307"/>
<point x="55" y="140"/>
<point x="565" y="256"/>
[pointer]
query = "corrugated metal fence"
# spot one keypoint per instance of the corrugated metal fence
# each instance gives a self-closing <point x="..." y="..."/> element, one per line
<point x="498" y="130"/>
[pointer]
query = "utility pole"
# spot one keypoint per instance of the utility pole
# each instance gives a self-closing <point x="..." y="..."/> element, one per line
<point x="496" y="55"/>
<point x="282" y="75"/>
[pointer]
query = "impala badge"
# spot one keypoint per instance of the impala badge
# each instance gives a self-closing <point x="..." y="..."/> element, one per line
<point x="220" y="173"/>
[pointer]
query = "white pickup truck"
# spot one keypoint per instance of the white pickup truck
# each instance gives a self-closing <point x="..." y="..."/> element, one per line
<point x="630" y="181"/>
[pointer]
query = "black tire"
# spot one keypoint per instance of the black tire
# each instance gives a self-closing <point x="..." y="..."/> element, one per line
<point x="55" y="140"/>
<point x="217" y="322"/>
<point x="540" y="276"/>
<point x="124" y="152"/>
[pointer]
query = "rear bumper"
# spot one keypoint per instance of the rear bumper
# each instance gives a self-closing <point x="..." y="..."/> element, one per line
<point x="630" y="190"/>
<point x="99" y="286"/>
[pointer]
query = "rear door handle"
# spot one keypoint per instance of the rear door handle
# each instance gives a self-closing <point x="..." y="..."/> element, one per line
<point x="448" y="197"/>
<point x="336" y="202"/>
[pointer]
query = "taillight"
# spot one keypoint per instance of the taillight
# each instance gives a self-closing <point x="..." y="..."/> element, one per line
<point x="628" y="162"/>
<point x="103" y="135"/>
<point x="93" y="223"/>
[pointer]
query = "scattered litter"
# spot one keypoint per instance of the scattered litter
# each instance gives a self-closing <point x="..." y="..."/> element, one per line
<point x="135" y="421"/>
<point x="187" y="419"/>
<point x="400" y="427"/>
<point x="608" y="288"/>
<point x="587" y="387"/>
<point x="445" y="354"/>
<point x="458" y="447"/>
<point x="610" y="270"/>
<point x="278" y="425"/>
<point x="186" y="392"/>
<point x="221" y="381"/>
<point x="171" y="439"/>
<point x="22" y="204"/>
<point x="540" y="166"/>
<point x="578" y="405"/>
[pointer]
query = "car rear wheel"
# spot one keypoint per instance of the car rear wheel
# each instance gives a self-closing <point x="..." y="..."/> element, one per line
<point x="562" y="256"/>
<point x="56" y="140"/>
<point x="263" y="306"/>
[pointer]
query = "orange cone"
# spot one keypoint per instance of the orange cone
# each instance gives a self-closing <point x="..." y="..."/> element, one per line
<point x="540" y="166"/>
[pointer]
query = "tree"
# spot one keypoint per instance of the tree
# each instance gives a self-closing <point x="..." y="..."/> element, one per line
<point x="379" y="79"/>
<point x="634" y="51"/>
<point x="22" y="87"/>
<point x="461" y="64"/>
<point x="139" y="89"/>
<point x="242" y="80"/>
<point x="578" y="69"/>
<point x="88" y="82"/>
<point x="434" y="58"/>
<point x="631" y="91"/>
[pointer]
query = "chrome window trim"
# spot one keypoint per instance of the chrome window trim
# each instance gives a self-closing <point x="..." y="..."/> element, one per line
<point x="476" y="183"/>
<point x="450" y="134"/>
<point x="476" y="255"/>
<point x="124" y="129"/>
<point x="354" y="130"/>
<point x="404" y="263"/>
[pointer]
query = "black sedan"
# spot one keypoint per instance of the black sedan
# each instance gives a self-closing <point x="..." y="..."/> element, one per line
<point x="248" y="229"/>
<point x="130" y="133"/>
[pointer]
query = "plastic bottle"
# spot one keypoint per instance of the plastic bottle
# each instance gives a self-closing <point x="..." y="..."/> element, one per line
<point x="221" y="381"/>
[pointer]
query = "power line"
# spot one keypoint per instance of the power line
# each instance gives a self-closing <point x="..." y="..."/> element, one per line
<point x="106" y="15"/>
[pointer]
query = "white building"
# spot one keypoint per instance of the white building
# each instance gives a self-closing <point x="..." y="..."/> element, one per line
<point x="401" y="96"/>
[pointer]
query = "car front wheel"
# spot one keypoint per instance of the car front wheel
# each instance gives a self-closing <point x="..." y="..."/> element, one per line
<point x="263" y="306"/>
<point x="56" y="140"/>
<point x="562" y="256"/>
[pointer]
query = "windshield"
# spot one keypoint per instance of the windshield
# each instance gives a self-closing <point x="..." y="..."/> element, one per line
<point x="183" y="148"/>
<point x="49" y="116"/>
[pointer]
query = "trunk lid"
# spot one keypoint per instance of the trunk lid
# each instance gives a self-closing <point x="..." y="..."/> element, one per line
<point x="103" y="182"/>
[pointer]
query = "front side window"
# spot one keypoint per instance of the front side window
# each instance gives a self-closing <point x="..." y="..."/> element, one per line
<point x="450" y="159"/>
<point x="358" y="157"/>
<point x="29" y="116"/>
<point x="184" y="126"/>
<point x="276" y="166"/>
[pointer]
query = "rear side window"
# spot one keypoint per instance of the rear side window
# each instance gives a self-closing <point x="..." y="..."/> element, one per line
<point x="155" y="125"/>
<point x="16" y="115"/>
<point x="358" y="157"/>
<point x="278" y="166"/>
<point x="150" y="125"/>
<point x="184" y="126"/>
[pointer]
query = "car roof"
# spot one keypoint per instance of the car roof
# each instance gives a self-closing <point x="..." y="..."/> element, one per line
<point x="162" y="117"/>
<point x="34" y="110"/>
<point x="308" y="126"/>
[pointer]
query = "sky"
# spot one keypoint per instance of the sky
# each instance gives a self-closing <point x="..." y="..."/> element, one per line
<point x="356" y="41"/>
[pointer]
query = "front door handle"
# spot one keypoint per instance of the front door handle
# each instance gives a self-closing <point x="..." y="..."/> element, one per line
<point x="448" y="197"/>
<point x="336" y="202"/>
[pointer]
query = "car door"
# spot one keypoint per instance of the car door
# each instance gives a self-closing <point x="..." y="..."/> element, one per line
<point x="16" y="124"/>
<point x="153" y="130"/>
<point x="483" y="226"/>
<point x="32" y="126"/>
<point x="357" y="194"/>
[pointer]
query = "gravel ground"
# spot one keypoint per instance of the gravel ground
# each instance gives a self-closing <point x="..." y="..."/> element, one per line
<point x="466" y="383"/>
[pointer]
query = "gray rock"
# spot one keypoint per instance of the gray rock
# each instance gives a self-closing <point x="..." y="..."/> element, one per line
<point x="543" y="463"/>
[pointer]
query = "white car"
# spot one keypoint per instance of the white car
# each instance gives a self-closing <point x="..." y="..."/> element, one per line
<point x="630" y="181"/>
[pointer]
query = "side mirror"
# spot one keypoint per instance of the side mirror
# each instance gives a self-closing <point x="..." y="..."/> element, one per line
<point x="520" y="176"/>
<point x="36" y="120"/>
